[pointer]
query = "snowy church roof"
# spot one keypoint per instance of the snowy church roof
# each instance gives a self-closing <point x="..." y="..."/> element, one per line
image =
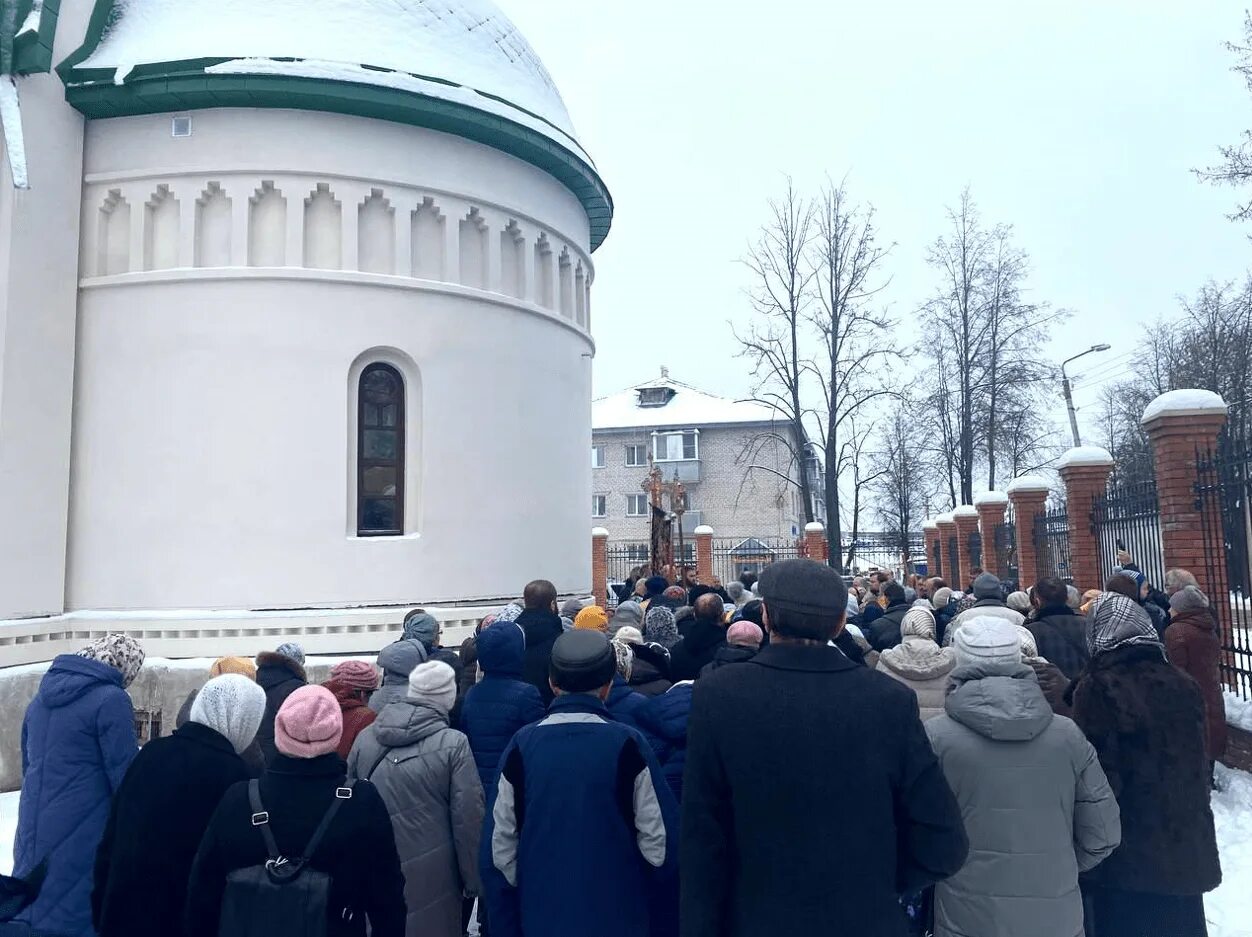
<point x="667" y="403"/>
<point x="454" y="65"/>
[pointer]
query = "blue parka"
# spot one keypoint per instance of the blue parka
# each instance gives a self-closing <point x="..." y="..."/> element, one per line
<point x="624" y="703"/>
<point x="78" y="739"/>
<point x="664" y="722"/>
<point x="501" y="703"/>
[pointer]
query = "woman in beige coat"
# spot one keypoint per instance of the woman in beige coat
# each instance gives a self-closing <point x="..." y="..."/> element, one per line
<point x="919" y="663"/>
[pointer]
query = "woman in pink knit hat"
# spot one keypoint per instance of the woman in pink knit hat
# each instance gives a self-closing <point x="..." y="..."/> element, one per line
<point x="305" y="779"/>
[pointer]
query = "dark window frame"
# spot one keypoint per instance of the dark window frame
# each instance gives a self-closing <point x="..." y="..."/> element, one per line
<point x="363" y="464"/>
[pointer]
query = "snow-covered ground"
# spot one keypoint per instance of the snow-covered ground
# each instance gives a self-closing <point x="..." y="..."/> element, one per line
<point x="1229" y="909"/>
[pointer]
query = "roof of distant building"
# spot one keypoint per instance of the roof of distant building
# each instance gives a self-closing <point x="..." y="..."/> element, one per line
<point x="667" y="403"/>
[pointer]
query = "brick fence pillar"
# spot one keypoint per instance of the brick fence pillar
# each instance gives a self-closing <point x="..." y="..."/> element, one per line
<point x="992" y="506"/>
<point x="704" y="554"/>
<point x="815" y="542"/>
<point x="1085" y="471"/>
<point x="1181" y="424"/>
<point x="599" y="565"/>
<point x="1029" y="494"/>
<point x="966" y="518"/>
<point x="949" y="561"/>
<point x="930" y="533"/>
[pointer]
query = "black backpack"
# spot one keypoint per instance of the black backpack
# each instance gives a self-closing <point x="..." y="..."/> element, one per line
<point x="283" y="897"/>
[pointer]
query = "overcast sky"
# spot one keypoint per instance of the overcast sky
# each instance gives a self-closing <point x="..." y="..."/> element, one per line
<point x="1077" y="122"/>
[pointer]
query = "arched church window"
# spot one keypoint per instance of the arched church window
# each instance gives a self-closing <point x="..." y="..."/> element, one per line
<point x="380" y="452"/>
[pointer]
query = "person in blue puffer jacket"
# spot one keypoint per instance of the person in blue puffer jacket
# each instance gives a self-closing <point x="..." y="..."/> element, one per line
<point x="501" y="702"/>
<point x="78" y="739"/>
<point x="664" y="723"/>
<point x="625" y="704"/>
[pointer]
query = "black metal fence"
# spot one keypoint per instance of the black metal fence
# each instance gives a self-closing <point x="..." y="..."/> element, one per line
<point x="883" y="550"/>
<point x="937" y="554"/>
<point x="734" y="556"/>
<point x="1224" y="499"/>
<point x="1051" y="535"/>
<point x="1004" y="547"/>
<point x="975" y="549"/>
<point x="1128" y="518"/>
<point x="951" y="563"/>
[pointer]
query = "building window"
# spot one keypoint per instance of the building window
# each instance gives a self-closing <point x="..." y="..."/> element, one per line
<point x="636" y="505"/>
<point x="599" y="505"/>
<point x="677" y="447"/>
<point x="597" y="457"/>
<point x="636" y="455"/>
<point x="380" y="452"/>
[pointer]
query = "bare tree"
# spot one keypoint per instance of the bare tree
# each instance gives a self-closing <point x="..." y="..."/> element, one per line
<point x="1235" y="168"/>
<point x="900" y="489"/>
<point x="855" y="466"/>
<point x="780" y="294"/>
<point x="856" y="341"/>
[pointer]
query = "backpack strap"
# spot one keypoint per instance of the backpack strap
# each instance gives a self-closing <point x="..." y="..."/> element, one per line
<point x="341" y="794"/>
<point x="261" y="819"/>
<point x="381" y="758"/>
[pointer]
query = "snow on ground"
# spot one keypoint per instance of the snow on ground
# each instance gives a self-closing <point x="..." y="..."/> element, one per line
<point x="1238" y="710"/>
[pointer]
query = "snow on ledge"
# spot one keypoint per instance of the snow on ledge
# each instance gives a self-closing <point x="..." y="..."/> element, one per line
<point x="814" y="527"/>
<point x="1028" y="483"/>
<point x="944" y="519"/>
<point x="1189" y="402"/>
<point x="704" y="530"/>
<point x="931" y="524"/>
<point x="599" y="532"/>
<point x="990" y="498"/>
<point x="965" y="510"/>
<point x="11" y="128"/>
<point x="1085" y="455"/>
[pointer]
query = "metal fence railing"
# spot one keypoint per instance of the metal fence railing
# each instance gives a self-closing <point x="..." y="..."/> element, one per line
<point x="1224" y="498"/>
<point x="1051" y="536"/>
<point x="1128" y="518"/>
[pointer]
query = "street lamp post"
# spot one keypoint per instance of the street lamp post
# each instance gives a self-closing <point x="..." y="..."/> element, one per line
<point x="1069" y="396"/>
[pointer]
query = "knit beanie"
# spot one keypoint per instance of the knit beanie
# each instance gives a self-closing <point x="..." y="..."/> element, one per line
<point x="941" y="598"/>
<point x="626" y="614"/>
<point x="592" y="618"/>
<point x="1018" y="602"/>
<point x="744" y="634"/>
<point x="628" y="635"/>
<point x="309" y="724"/>
<point x="655" y="585"/>
<point x="239" y="665"/>
<point x="119" y="651"/>
<point x="1188" y="599"/>
<point x="423" y="626"/>
<point x="625" y="658"/>
<point x="357" y="674"/>
<point x="232" y="705"/>
<point x="987" y="586"/>
<point x="434" y="682"/>
<point x="570" y="608"/>
<point x="918" y="623"/>
<point x="292" y="651"/>
<point x="987" y="640"/>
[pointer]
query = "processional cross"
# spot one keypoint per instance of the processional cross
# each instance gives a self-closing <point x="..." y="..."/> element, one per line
<point x="662" y="540"/>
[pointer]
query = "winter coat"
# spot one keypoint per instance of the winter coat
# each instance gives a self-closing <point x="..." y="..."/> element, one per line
<point x="664" y="723"/>
<point x="1037" y="807"/>
<point x="728" y="654"/>
<point x="624" y="703"/>
<point x="581" y="838"/>
<point x="279" y="677"/>
<point x="1146" y="721"/>
<point x="795" y="719"/>
<point x="690" y="655"/>
<point x="155" y="826"/>
<point x="357" y="715"/>
<point x="1054" y="685"/>
<point x="983" y="608"/>
<point x="358" y="851"/>
<point x="450" y="657"/>
<point x="469" y="667"/>
<point x="922" y="666"/>
<point x="397" y="660"/>
<point x="428" y="781"/>
<point x="500" y="703"/>
<point x="646" y="675"/>
<point x="1061" y="636"/>
<point x="252" y="757"/>
<point x="1193" y="646"/>
<point x="541" y="628"/>
<point x="78" y="739"/>
<point x="1159" y="616"/>
<point x="884" y="631"/>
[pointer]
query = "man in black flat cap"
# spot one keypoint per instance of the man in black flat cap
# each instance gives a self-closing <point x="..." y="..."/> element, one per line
<point x="581" y="836"/>
<point x="812" y="799"/>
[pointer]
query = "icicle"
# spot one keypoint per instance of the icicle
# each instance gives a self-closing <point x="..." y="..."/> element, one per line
<point x="11" y="124"/>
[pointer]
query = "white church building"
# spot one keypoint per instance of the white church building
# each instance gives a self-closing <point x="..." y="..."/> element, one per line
<point x="295" y="321"/>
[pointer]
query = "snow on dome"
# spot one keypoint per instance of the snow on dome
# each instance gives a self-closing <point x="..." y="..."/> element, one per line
<point x="990" y="497"/>
<point x="1029" y="483"/>
<point x="461" y="45"/>
<point x="944" y="519"/>
<point x="1085" y="455"/>
<point x="965" y="510"/>
<point x="1190" y="402"/>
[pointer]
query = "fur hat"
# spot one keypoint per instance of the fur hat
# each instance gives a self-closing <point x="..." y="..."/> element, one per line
<point x="292" y="651"/>
<point x="593" y="617"/>
<point x="309" y="724"/>
<point x="239" y="665"/>
<point x="232" y="705"/>
<point x="357" y="674"/>
<point x="434" y="682"/>
<point x="119" y="651"/>
<point x="987" y="640"/>
<point x="744" y="634"/>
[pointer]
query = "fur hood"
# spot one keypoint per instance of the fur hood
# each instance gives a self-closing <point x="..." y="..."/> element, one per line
<point x="274" y="660"/>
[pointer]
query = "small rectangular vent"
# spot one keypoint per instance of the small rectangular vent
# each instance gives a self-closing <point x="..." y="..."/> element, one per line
<point x="181" y="127"/>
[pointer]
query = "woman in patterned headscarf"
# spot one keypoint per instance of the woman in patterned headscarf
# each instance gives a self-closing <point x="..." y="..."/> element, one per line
<point x="1145" y="719"/>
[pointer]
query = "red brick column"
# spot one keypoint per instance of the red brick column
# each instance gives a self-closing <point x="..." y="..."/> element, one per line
<point x="966" y="517"/>
<point x="992" y="506"/>
<point x="1180" y="424"/>
<point x="599" y="565"/>
<point x="951" y="567"/>
<point x="1085" y="471"/>
<point x="930" y="533"/>
<point x="815" y="542"/>
<point x="704" y="554"/>
<point x="1029" y="494"/>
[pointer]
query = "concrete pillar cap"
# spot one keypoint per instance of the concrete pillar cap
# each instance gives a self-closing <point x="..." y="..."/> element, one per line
<point x="1188" y="402"/>
<point x="965" y="510"/>
<point x="599" y="532"/>
<point x="930" y="525"/>
<point x="1093" y="456"/>
<point x="990" y="499"/>
<point x="1029" y="484"/>
<point x="704" y="530"/>
<point x="944" y="519"/>
<point x="815" y="527"/>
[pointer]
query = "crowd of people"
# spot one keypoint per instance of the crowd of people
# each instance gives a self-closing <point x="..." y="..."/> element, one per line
<point x="791" y="756"/>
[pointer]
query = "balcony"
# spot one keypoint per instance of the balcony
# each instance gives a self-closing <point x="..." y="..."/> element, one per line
<point x="688" y="470"/>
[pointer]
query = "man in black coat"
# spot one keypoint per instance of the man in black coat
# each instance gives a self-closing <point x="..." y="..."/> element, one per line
<point x="775" y="745"/>
<point x="699" y="645"/>
<point x="542" y="626"/>
<point x="162" y="809"/>
<point x="279" y="674"/>
<point x="1060" y="634"/>
<point x="884" y="631"/>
